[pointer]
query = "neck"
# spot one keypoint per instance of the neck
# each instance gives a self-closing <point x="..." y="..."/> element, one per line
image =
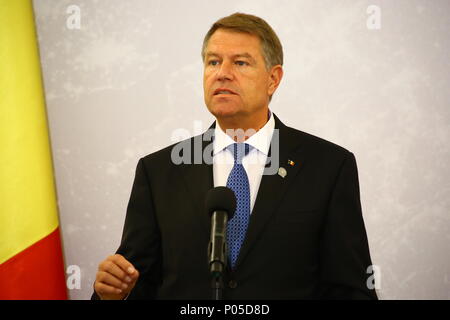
<point x="240" y="129"/>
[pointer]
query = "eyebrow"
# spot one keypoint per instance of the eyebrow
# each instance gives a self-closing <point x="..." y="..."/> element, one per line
<point x="239" y="55"/>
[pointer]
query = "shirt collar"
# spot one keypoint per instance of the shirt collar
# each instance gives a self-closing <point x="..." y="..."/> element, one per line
<point x="260" y="140"/>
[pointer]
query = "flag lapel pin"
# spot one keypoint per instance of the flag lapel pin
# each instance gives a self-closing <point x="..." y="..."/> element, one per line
<point x="282" y="172"/>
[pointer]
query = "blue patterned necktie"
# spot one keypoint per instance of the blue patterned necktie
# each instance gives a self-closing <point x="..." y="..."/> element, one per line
<point x="238" y="182"/>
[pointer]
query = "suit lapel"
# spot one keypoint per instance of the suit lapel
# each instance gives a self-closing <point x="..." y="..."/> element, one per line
<point x="273" y="187"/>
<point x="198" y="177"/>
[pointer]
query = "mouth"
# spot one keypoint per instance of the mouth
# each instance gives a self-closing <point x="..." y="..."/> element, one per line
<point x="221" y="91"/>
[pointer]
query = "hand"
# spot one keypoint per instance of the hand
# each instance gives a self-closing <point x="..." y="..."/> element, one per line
<point x="116" y="277"/>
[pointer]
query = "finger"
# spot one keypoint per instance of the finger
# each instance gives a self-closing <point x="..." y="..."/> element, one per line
<point x="135" y="275"/>
<point x="102" y="288"/>
<point x="123" y="263"/>
<point x="109" y="279"/>
<point x="112" y="268"/>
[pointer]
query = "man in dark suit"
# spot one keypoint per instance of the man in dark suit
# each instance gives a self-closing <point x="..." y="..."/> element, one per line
<point x="298" y="231"/>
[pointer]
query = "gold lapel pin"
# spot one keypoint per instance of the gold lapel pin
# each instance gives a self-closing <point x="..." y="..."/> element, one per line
<point x="282" y="172"/>
<point x="291" y="163"/>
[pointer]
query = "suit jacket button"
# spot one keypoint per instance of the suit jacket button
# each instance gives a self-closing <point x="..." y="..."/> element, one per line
<point x="232" y="284"/>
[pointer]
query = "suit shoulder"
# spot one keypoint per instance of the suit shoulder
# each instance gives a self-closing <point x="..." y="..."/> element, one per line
<point x="165" y="155"/>
<point x="319" y="145"/>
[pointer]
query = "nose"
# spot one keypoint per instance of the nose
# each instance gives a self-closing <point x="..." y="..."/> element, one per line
<point x="225" y="71"/>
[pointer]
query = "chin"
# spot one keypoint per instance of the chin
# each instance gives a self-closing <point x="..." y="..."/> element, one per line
<point x="223" y="110"/>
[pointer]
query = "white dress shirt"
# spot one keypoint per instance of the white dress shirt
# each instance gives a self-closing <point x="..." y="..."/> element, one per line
<point x="253" y="163"/>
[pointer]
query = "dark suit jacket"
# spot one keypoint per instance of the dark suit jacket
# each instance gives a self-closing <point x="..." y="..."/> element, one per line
<point x="306" y="237"/>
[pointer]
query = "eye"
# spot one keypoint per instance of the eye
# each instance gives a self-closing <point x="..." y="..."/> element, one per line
<point x="213" y="62"/>
<point x="241" y="63"/>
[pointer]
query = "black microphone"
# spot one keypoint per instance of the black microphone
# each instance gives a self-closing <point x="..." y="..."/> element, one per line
<point x="220" y="204"/>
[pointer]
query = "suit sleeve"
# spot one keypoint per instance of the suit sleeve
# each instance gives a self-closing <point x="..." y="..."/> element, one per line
<point x="344" y="246"/>
<point x="140" y="242"/>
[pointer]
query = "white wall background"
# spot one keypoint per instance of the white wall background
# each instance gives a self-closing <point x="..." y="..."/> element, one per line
<point x="120" y="85"/>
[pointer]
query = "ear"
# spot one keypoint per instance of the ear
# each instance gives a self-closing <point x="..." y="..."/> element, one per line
<point x="276" y="74"/>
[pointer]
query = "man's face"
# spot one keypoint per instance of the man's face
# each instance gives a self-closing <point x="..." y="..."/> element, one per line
<point x="236" y="82"/>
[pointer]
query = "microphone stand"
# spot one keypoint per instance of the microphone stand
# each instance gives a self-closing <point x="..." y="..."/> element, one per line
<point x="217" y="285"/>
<point x="217" y="252"/>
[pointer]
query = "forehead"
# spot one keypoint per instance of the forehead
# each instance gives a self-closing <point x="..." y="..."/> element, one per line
<point x="231" y="42"/>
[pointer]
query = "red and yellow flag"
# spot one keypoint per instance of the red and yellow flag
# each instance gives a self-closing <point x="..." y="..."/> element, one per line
<point x="31" y="260"/>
